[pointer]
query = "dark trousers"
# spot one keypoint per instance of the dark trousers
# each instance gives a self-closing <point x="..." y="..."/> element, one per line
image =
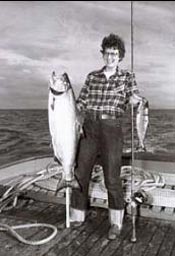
<point x="104" y="137"/>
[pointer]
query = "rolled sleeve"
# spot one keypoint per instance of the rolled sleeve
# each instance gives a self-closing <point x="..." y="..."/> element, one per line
<point x="82" y="98"/>
<point x="131" y="83"/>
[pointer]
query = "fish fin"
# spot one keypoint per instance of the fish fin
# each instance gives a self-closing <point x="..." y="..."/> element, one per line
<point x="57" y="160"/>
<point x="64" y="184"/>
<point x="141" y="149"/>
<point x="52" y="79"/>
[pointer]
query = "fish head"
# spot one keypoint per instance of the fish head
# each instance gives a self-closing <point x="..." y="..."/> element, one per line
<point x="59" y="83"/>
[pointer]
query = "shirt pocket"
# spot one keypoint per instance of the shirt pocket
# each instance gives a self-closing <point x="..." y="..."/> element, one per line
<point x="119" y="94"/>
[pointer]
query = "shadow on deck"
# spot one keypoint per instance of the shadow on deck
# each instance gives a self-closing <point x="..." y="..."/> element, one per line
<point x="154" y="237"/>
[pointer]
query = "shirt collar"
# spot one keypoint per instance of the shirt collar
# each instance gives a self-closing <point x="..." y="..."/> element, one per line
<point x="117" y="72"/>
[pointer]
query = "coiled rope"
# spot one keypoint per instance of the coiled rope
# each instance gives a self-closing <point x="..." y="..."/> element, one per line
<point x="18" y="186"/>
<point x="11" y="196"/>
<point x="11" y="230"/>
<point x="140" y="179"/>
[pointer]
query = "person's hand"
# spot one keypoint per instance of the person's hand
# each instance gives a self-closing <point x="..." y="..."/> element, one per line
<point x="145" y="102"/>
<point x="80" y="118"/>
<point x="80" y="122"/>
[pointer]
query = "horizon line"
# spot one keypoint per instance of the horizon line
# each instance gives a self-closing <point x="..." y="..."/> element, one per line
<point x="47" y="109"/>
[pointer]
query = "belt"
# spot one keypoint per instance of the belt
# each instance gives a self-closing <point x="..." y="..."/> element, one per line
<point x="99" y="116"/>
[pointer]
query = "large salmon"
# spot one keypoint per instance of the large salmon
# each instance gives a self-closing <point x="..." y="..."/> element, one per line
<point x="64" y="129"/>
<point x="142" y="120"/>
<point x="63" y="122"/>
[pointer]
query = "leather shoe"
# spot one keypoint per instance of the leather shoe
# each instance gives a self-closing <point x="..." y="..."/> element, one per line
<point x="114" y="232"/>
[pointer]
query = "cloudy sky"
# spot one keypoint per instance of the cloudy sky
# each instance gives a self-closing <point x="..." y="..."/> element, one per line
<point x="38" y="37"/>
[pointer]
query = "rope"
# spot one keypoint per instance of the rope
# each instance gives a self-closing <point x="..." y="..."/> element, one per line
<point x="141" y="179"/>
<point x="12" y="192"/>
<point x="11" y="230"/>
<point x="11" y="196"/>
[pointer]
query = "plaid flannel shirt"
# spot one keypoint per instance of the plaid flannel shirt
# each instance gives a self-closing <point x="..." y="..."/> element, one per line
<point x="107" y="96"/>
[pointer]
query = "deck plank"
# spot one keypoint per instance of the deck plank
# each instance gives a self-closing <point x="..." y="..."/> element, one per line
<point x="108" y="247"/>
<point x="167" y="247"/>
<point x="144" y="232"/>
<point x="154" y="237"/>
<point x="54" y="216"/>
<point x="157" y="240"/>
<point x="5" y="244"/>
<point x="93" y="240"/>
<point x="62" y="241"/>
<point x="12" y="218"/>
<point x="91" y="225"/>
<point x="42" y="214"/>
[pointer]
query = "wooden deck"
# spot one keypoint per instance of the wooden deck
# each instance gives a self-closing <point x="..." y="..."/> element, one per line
<point x="154" y="237"/>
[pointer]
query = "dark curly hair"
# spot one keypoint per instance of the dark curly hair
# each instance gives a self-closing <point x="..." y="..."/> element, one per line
<point x="114" y="41"/>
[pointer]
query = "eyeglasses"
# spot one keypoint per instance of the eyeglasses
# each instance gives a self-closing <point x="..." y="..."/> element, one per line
<point x="112" y="54"/>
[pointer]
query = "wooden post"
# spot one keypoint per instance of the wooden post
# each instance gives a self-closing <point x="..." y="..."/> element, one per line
<point x="68" y="207"/>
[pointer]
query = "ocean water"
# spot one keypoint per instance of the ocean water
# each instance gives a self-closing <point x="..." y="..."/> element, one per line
<point x="25" y="133"/>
